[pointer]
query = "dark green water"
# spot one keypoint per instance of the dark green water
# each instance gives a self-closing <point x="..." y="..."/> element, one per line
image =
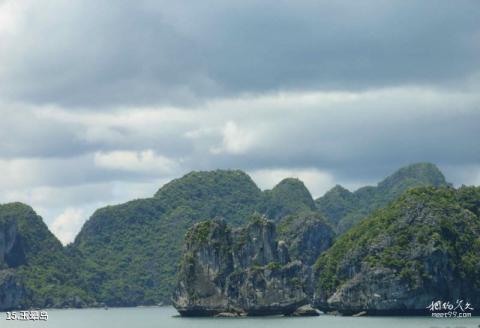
<point x="151" y="317"/>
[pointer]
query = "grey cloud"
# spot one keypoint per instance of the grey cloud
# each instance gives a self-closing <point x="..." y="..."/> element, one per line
<point x="23" y="134"/>
<point x="89" y="53"/>
<point x="359" y="136"/>
<point x="26" y="132"/>
<point x="364" y="139"/>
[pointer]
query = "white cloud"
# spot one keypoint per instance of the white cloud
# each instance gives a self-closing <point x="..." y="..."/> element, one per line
<point x="236" y="140"/>
<point x="317" y="181"/>
<point x="143" y="161"/>
<point x="66" y="225"/>
<point x="17" y="173"/>
<point x="9" y="15"/>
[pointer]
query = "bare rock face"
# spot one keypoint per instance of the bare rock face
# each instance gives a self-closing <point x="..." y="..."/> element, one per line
<point x="11" y="291"/>
<point x="255" y="245"/>
<point x="306" y="311"/>
<point x="11" y="255"/>
<point x="308" y="235"/>
<point x="241" y="272"/>
<point x="267" y="290"/>
<point x="382" y="292"/>
<point x="11" y="248"/>
<point x="207" y="262"/>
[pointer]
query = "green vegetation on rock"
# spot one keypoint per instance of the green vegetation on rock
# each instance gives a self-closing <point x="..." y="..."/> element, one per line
<point x="425" y="245"/>
<point x="336" y="204"/>
<point x="290" y="196"/>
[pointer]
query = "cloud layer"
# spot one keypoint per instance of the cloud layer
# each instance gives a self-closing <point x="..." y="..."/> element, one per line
<point x="100" y="104"/>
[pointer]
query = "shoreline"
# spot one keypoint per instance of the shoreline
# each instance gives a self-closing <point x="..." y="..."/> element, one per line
<point x="474" y="315"/>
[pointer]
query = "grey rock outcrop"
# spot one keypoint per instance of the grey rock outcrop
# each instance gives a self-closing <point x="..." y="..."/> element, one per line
<point x="244" y="272"/>
<point x="11" y="255"/>
<point x="308" y="235"/>
<point x="11" y="248"/>
<point x="11" y="291"/>
<point x="306" y="311"/>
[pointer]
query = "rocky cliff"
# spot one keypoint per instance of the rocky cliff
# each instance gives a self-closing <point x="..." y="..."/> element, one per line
<point x="244" y="271"/>
<point x="11" y="249"/>
<point x="308" y="235"/>
<point x="12" y="291"/>
<point x="423" y="247"/>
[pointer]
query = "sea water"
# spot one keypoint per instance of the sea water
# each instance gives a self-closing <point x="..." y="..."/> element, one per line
<point x="155" y="317"/>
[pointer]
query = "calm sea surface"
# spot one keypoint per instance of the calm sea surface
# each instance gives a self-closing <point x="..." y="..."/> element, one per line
<point x="150" y="317"/>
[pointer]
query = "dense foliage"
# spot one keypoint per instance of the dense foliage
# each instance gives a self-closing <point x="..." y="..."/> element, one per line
<point x="336" y="204"/>
<point x="344" y="208"/>
<point x="287" y="197"/>
<point x="227" y="193"/>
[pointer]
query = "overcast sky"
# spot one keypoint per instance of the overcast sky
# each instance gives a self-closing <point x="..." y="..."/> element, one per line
<point x="104" y="102"/>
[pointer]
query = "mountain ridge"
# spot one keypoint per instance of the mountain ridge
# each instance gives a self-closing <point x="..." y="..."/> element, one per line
<point x="127" y="254"/>
<point x="344" y="208"/>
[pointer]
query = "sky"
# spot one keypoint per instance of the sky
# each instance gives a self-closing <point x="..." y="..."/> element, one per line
<point x="101" y="103"/>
